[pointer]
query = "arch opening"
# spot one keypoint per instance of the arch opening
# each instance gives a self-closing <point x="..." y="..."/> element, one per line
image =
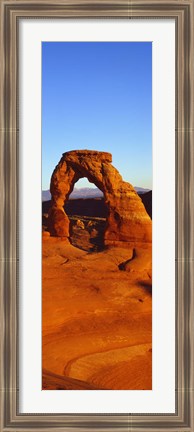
<point x="87" y="212"/>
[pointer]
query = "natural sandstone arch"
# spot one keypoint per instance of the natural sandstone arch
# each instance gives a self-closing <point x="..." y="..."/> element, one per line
<point x="127" y="222"/>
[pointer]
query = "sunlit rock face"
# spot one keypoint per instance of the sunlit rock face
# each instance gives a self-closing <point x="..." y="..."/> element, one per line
<point x="127" y="221"/>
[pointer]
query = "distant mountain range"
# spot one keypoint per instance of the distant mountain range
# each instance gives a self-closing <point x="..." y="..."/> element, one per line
<point x="141" y="190"/>
<point x="88" y="193"/>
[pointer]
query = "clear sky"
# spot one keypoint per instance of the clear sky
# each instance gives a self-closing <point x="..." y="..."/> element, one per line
<point x="98" y="96"/>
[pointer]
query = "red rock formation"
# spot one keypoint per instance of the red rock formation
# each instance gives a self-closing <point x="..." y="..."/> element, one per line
<point x="127" y="222"/>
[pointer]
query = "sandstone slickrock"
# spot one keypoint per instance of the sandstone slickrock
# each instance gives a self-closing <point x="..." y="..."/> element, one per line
<point x="127" y="221"/>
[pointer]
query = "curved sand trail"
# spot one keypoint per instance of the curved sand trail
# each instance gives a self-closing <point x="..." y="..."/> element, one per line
<point x="111" y="369"/>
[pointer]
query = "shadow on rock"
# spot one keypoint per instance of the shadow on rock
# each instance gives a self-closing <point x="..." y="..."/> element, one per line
<point x="147" y="285"/>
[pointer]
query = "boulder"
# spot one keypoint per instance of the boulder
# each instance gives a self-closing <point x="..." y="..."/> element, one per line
<point x="80" y="224"/>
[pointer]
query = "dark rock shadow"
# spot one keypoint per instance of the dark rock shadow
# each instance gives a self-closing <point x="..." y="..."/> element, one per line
<point x="122" y="265"/>
<point x="147" y="285"/>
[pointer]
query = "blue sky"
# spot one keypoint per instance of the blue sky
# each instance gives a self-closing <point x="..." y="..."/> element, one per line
<point x="98" y="96"/>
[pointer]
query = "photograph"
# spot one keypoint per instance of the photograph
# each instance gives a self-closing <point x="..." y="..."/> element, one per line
<point x="96" y="215"/>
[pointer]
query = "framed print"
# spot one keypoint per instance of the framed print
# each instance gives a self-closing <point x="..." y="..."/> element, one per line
<point x="97" y="175"/>
<point x="98" y="222"/>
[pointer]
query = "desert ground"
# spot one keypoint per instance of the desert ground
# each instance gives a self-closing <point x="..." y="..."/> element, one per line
<point x="96" y="311"/>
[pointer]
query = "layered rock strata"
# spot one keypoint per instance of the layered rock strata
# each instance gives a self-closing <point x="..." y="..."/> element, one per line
<point x="127" y="221"/>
